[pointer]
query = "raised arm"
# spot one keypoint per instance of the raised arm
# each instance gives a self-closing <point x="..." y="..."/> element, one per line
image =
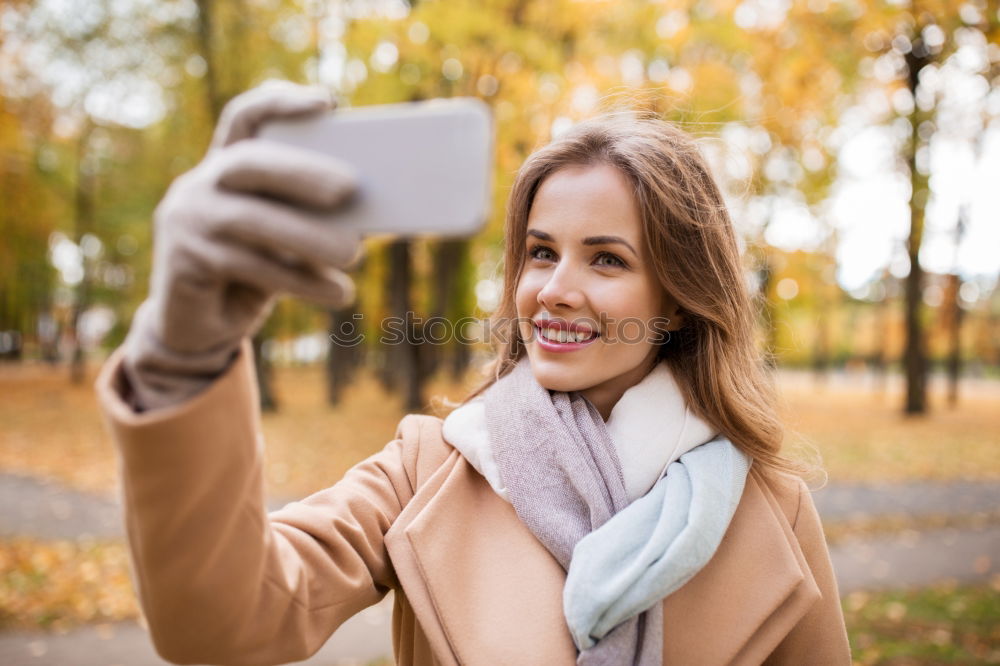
<point x="220" y="581"/>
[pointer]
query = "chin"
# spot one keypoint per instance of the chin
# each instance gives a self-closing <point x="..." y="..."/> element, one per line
<point x="559" y="379"/>
<point x="563" y="385"/>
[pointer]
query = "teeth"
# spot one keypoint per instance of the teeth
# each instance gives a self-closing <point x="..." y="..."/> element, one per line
<point x="560" y="335"/>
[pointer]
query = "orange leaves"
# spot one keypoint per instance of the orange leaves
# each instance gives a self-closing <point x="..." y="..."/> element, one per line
<point x="58" y="584"/>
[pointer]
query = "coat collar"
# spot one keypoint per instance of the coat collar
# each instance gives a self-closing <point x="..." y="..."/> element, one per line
<point x="485" y="590"/>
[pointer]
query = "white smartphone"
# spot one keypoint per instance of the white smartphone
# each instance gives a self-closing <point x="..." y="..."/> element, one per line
<point x="424" y="167"/>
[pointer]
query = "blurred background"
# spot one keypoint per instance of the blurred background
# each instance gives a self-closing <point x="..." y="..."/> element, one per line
<point x="857" y="141"/>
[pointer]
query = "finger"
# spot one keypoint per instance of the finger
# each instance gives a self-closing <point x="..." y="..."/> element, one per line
<point x="284" y="231"/>
<point x="244" y="113"/>
<point x="259" y="271"/>
<point x="297" y="175"/>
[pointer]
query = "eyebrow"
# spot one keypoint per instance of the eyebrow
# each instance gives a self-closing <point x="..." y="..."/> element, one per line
<point x="589" y="240"/>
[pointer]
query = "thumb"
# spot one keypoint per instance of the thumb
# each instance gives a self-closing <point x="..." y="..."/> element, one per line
<point x="246" y="112"/>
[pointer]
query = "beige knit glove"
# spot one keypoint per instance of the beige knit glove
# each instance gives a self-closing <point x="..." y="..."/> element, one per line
<point x="250" y="221"/>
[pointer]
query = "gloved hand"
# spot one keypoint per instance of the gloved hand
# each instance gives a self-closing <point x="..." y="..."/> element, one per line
<point x="245" y="224"/>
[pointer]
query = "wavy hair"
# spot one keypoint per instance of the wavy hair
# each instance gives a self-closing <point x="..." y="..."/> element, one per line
<point x="714" y="356"/>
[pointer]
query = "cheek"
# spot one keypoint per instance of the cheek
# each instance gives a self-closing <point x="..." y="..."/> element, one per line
<point x="649" y="297"/>
<point x="632" y="309"/>
<point x="631" y="299"/>
<point x="526" y="294"/>
<point x="524" y="307"/>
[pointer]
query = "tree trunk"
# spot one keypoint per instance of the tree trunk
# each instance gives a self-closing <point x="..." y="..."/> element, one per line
<point x="915" y="355"/>
<point x="954" y="364"/>
<point x="403" y="371"/>
<point x="449" y="263"/>
<point x="213" y="96"/>
<point x="764" y="275"/>
<point x="345" y="351"/>
<point x="262" y="366"/>
<point x="881" y="325"/>
<point x="83" y="213"/>
<point x="953" y="307"/>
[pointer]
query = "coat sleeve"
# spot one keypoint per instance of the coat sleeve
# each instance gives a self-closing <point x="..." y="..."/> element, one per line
<point x="219" y="580"/>
<point x="820" y="637"/>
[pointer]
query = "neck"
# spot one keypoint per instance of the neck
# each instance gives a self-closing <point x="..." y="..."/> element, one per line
<point x="603" y="401"/>
<point x="605" y="396"/>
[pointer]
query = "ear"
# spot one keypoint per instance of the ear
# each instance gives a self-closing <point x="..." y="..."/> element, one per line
<point x="672" y="311"/>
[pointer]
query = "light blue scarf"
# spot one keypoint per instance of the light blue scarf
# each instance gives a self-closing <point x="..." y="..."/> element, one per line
<point x="653" y="546"/>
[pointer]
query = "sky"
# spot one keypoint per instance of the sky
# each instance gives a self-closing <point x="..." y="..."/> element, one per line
<point x="869" y="208"/>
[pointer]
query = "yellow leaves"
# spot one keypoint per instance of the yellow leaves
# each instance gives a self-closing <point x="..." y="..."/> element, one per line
<point x="310" y="445"/>
<point x="54" y="429"/>
<point x="58" y="584"/>
<point x="876" y="444"/>
<point x="716" y="87"/>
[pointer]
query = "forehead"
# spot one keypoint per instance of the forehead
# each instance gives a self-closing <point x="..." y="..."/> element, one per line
<point x="584" y="201"/>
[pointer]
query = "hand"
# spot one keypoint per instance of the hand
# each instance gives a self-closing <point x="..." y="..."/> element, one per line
<point x="241" y="227"/>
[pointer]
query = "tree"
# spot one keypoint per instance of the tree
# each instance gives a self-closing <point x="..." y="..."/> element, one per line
<point x="917" y="58"/>
<point x="919" y="39"/>
<point x="27" y="218"/>
<point x="68" y="76"/>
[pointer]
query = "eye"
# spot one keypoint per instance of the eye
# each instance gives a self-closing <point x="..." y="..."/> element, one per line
<point x="615" y="260"/>
<point x="540" y="252"/>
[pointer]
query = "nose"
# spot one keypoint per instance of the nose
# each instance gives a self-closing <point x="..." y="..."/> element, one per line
<point x="561" y="290"/>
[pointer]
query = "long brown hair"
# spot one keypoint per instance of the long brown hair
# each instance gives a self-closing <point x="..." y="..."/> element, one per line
<point x="714" y="356"/>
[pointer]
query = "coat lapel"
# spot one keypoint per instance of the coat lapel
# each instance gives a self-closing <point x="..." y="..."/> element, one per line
<point x="479" y="573"/>
<point x="486" y="591"/>
<point x="749" y="595"/>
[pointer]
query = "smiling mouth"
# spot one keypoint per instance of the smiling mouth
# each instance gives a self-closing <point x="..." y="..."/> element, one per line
<point x="562" y="336"/>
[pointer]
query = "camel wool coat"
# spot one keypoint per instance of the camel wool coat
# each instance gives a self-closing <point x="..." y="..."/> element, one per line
<point x="223" y="582"/>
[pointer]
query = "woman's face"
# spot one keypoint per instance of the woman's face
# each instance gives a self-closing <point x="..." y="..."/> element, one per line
<point x="587" y="266"/>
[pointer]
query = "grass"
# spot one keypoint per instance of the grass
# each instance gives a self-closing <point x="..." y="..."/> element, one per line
<point x="942" y="624"/>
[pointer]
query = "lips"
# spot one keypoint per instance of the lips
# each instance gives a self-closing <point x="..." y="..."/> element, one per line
<point x="558" y="335"/>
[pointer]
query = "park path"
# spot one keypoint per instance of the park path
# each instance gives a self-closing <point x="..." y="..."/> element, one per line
<point x="50" y="511"/>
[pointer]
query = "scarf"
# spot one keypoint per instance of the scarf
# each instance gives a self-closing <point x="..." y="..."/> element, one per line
<point x="650" y="426"/>
<point x="560" y="470"/>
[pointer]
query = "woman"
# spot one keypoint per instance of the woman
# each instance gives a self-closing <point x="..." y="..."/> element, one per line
<point x="536" y="525"/>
